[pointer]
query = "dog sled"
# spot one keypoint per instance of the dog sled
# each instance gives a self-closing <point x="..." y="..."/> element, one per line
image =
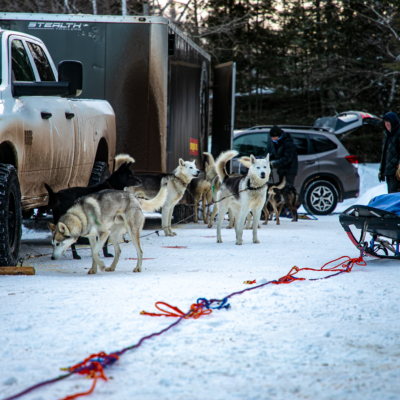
<point x="381" y="220"/>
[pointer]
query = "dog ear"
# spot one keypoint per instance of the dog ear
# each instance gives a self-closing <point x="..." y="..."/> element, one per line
<point x="181" y="162"/>
<point x="267" y="158"/>
<point x="252" y="159"/>
<point x="63" y="229"/>
<point x="207" y="166"/>
<point x="51" y="226"/>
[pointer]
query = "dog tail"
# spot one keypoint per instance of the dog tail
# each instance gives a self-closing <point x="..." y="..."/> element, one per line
<point x="245" y="161"/>
<point x="210" y="158"/>
<point x="49" y="189"/>
<point x="279" y="186"/>
<point x="221" y="161"/>
<point x="157" y="202"/>
<point x="121" y="159"/>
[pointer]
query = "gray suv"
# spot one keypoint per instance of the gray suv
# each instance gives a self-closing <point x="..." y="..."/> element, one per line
<point x="327" y="173"/>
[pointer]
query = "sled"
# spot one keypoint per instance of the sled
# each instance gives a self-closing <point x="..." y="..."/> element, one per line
<point x="381" y="219"/>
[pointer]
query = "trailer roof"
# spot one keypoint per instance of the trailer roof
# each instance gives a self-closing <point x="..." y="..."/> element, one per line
<point x="103" y="19"/>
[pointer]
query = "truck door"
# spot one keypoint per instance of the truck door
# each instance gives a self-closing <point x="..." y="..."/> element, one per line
<point x="34" y="167"/>
<point x="48" y="134"/>
<point x="56" y="111"/>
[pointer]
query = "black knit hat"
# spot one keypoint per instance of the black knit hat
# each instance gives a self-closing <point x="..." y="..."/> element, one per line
<point x="275" y="131"/>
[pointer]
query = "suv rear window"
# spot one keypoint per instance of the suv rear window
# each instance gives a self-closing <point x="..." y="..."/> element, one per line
<point x="320" y="144"/>
<point x="254" y="143"/>
<point x="301" y="142"/>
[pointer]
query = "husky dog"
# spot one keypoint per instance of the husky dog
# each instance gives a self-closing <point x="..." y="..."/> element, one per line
<point x="61" y="201"/>
<point x="109" y="213"/>
<point x="201" y="190"/>
<point x="177" y="183"/>
<point x="242" y="194"/>
<point x="281" y="195"/>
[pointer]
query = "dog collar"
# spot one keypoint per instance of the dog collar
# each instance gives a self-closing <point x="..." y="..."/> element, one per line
<point x="255" y="188"/>
<point x="180" y="181"/>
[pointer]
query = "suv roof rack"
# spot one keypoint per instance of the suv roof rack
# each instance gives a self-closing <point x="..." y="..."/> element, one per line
<point x="304" y="127"/>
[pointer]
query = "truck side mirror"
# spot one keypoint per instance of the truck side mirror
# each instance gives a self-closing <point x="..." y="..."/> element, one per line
<point x="72" y="72"/>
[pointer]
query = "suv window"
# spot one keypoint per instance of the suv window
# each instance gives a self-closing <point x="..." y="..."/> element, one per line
<point x="301" y="142"/>
<point x="255" y="143"/>
<point x="321" y="144"/>
<point x="41" y="62"/>
<point x="21" y="67"/>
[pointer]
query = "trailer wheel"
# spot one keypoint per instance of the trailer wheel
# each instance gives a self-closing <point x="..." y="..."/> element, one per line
<point x="100" y="173"/>
<point x="10" y="216"/>
<point x="320" y="198"/>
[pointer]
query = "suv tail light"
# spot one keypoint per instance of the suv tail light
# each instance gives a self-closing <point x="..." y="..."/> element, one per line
<point x="352" y="160"/>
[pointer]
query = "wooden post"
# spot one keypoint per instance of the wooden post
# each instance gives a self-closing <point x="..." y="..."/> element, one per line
<point x="17" y="271"/>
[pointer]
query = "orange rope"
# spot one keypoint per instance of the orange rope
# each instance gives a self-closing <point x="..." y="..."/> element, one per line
<point x="196" y="311"/>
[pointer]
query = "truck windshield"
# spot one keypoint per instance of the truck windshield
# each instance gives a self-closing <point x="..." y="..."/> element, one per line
<point x="21" y="67"/>
<point x="41" y="62"/>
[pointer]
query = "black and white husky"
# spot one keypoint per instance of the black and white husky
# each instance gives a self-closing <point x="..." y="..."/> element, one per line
<point x="242" y="194"/>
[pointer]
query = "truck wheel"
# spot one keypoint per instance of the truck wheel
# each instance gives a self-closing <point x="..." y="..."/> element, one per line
<point x="10" y="216"/>
<point x="320" y="198"/>
<point x="100" y="173"/>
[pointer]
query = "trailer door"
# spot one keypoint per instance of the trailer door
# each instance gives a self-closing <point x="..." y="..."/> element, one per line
<point x="223" y="107"/>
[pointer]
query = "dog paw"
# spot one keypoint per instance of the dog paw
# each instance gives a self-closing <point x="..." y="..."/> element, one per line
<point x="108" y="255"/>
<point x="256" y="241"/>
<point x="239" y="243"/>
<point x="174" y="234"/>
<point x="76" y="257"/>
<point x="265" y="223"/>
<point x="91" y="272"/>
<point x="219" y="241"/>
<point x="110" y="269"/>
<point x="209" y="226"/>
<point x="137" y="269"/>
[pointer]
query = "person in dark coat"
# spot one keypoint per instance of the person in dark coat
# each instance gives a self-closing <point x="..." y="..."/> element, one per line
<point x="285" y="155"/>
<point x="391" y="152"/>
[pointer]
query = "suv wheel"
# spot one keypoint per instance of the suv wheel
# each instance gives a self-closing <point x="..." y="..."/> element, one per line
<point x="100" y="173"/>
<point x="10" y="216"/>
<point x="320" y="198"/>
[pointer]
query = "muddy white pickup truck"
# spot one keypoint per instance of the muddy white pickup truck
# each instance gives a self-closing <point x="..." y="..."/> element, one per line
<point x="46" y="135"/>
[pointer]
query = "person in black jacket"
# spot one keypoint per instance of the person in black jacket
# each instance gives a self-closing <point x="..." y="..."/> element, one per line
<point x="391" y="152"/>
<point x="285" y="155"/>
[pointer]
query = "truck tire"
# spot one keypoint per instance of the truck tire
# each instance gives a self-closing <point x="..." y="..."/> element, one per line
<point x="320" y="198"/>
<point x="10" y="216"/>
<point x="100" y="173"/>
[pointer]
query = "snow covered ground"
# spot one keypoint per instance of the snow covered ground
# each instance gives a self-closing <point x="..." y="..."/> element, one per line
<point x="330" y="339"/>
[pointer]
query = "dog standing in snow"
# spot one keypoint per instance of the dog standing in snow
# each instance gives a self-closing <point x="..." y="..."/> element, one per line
<point x="100" y="215"/>
<point x="242" y="194"/>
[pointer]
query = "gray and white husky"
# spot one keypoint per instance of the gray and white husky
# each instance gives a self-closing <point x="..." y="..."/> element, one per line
<point x="242" y="194"/>
<point x="176" y="182"/>
<point x="109" y="213"/>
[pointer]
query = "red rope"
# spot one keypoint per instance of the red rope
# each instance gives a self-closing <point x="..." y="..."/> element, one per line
<point x="93" y="371"/>
<point x="344" y="266"/>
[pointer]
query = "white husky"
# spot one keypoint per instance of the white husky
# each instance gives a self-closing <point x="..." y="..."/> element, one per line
<point x="176" y="182"/>
<point x="100" y="215"/>
<point x="242" y="194"/>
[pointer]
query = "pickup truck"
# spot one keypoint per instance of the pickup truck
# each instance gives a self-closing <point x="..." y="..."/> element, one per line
<point x="46" y="135"/>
